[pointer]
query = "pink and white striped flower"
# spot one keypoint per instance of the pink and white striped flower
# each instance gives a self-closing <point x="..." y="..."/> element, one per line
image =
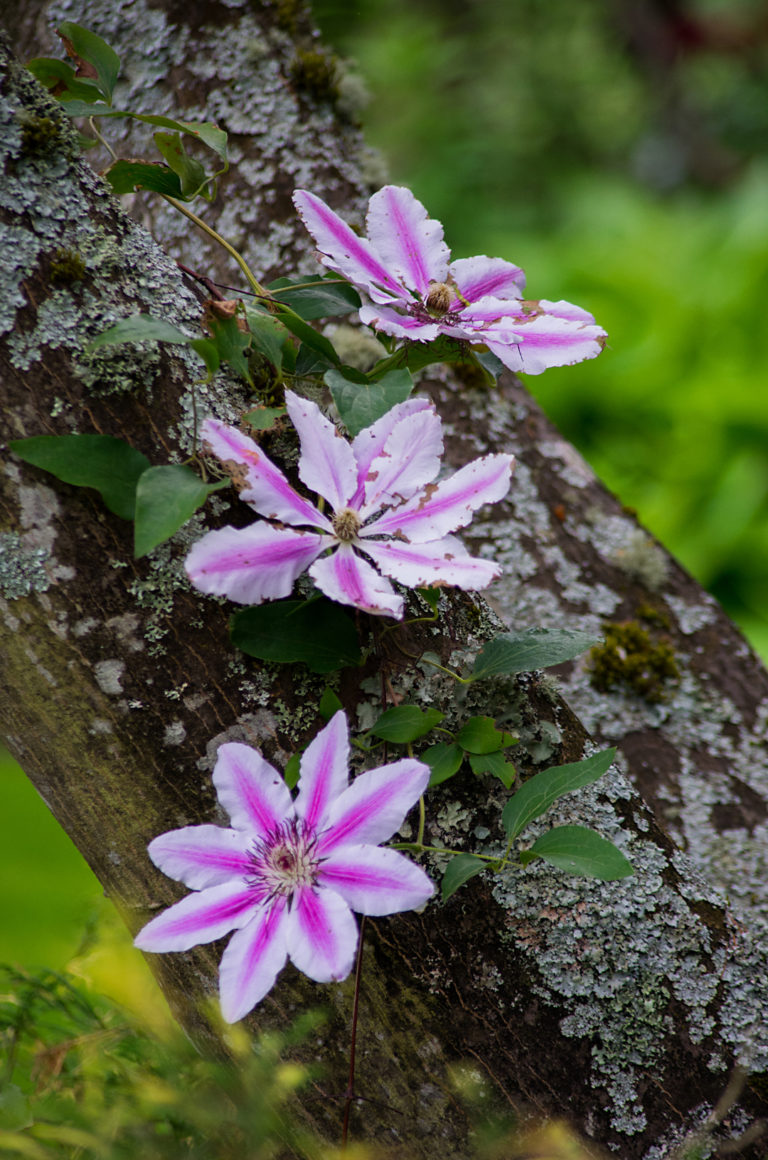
<point x="383" y="505"/>
<point x="288" y="874"/>
<point x="416" y="293"/>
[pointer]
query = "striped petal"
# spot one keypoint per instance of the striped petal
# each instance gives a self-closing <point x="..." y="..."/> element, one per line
<point x="371" y="440"/>
<point x="409" y="242"/>
<point x="375" y="805"/>
<point x="201" y="917"/>
<point x="547" y="340"/>
<point x="409" y="460"/>
<point x="252" y="960"/>
<point x="391" y="321"/>
<point x="447" y="505"/>
<point x="251" y="790"/>
<point x="252" y="564"/>
<point x="432" y="565"/>
<point x="375" y="881"/>
<point x="327" y="464"/>
<point x="323" y="771"/>
<point x="201" y="856"/>
<point x="480" y="276"/>
<point x="343" y="251"/>
<point x="321" y="935"/>
<point x="261" y="484"/>
<point x="348" y="579"/>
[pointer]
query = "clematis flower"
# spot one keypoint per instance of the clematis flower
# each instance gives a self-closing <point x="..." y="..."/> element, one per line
<point x="288" y="874"/>
<point x="383" y="506"/>
<point x="416" y="293"/>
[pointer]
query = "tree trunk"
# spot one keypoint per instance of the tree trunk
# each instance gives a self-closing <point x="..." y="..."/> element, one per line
<point x="622" y="1005"/>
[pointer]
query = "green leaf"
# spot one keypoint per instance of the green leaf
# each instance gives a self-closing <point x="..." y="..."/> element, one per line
<point x="58" y="75"/>
<point x="91" y="49"/>
<point x="316" y="342"/>
<point x="208" y="352"/>
<point x="361" y="404"/>
<point x="190" y="172"/>
<point x="458" y="871"/>
<point x="292" y="770"/>
<point x="109" y="465"/>
<point x="264" y="418"/>
<point x="319" y="297"/>
<point x="540" y="792"/>
<point x="138" y="328"/>
<point x="126" y="176"/>
<point x="493" y="763"/>
<point x="15" y="1113"/>
<point x="329" y="704"/>
<point x="432" y="597"/>
<point x="231" y="343"/>
<point x="405" y="723"/>
<point x="535" y="648"/>
<point x="480" y="735"/>
<point x="578" y="850"/>
<point x="166" y="497"/>
<point x="415" y="355"/>
<point x="317" y="632"/>
<point x="444" y="760"/>
<point x="492" y="365"/>
<point x="269" y="335"/>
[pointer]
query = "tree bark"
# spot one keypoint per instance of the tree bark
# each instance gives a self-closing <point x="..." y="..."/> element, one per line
<point x="622" y="1005"/>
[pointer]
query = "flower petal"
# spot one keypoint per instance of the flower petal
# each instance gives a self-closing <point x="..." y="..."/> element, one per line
<point x="252" y="564"/>
<point x="447" y="505"/>
<point x="432" y="565"/>
<point x="375" y="805"/>
<point x="251" y="790"/>
<point x="327" y="464"/>
<point x="376" y="881"/>
<point x="401" y="325"/>
<point x="324" y="772"/>
<point x="347" y="578"/>
<point x="343" y="251"/>
<point x="252" y="960"/>
<point x="481" y="276"/>
<point x="321" y="935"/>
<point x="201" y="917"/>
<point x="201" y="856"/>
<point x="409" y="242"/>
<point x="561" y="335"/>
<point x="409" y="459"/>
<point x="371" y="440"/>
<point x="262" y="484"/>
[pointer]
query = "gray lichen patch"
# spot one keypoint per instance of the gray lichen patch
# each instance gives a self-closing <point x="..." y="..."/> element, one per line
<point x="109" y="676"/>
<point x="22" y="568"/>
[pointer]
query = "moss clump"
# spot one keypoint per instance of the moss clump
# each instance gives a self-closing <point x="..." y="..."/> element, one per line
<point x="39" y="135"/>
<point x="287" y="14"/>
<point x="316" y="73"/>
<point x="630" y="658"/>
<point x="67" y="266"/>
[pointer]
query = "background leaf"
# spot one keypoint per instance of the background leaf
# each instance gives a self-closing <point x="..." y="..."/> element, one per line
<point x="458" y="871"/>
<point x="542" y="790"/>
<point x="93" y="50"/>
<point x="444" y="760"/>
<point x="139" y="328"/>
<point x="166" y="497"/>
<point x="494" y="763"/>
<point x="361" y="404"/>
<point x="578" y="850"/>
<point x="480" y="735"/>
<point x="318" y="632"/>
<point x="405" y="723"/>
<point x="535" y="648"/>
<point x="109" y="465"/>
<point x="318" y="297"/>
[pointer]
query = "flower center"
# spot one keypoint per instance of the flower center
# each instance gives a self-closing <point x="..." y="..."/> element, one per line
<point x="283" y="861"/>
<point x="439" y="298"/>
<point x="346" y="525"/>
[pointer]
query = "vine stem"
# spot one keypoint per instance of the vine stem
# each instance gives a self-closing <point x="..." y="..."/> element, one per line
<point x="179" y="205"/>
<point x="349" y="1095"/>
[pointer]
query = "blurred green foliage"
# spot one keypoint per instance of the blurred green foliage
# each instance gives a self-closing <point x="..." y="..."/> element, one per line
<point x="618" y="153"/>
<point x="79" y="1079"/>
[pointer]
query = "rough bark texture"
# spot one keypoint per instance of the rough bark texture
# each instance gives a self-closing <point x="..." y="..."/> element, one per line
<point x="622" y="1005"/>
